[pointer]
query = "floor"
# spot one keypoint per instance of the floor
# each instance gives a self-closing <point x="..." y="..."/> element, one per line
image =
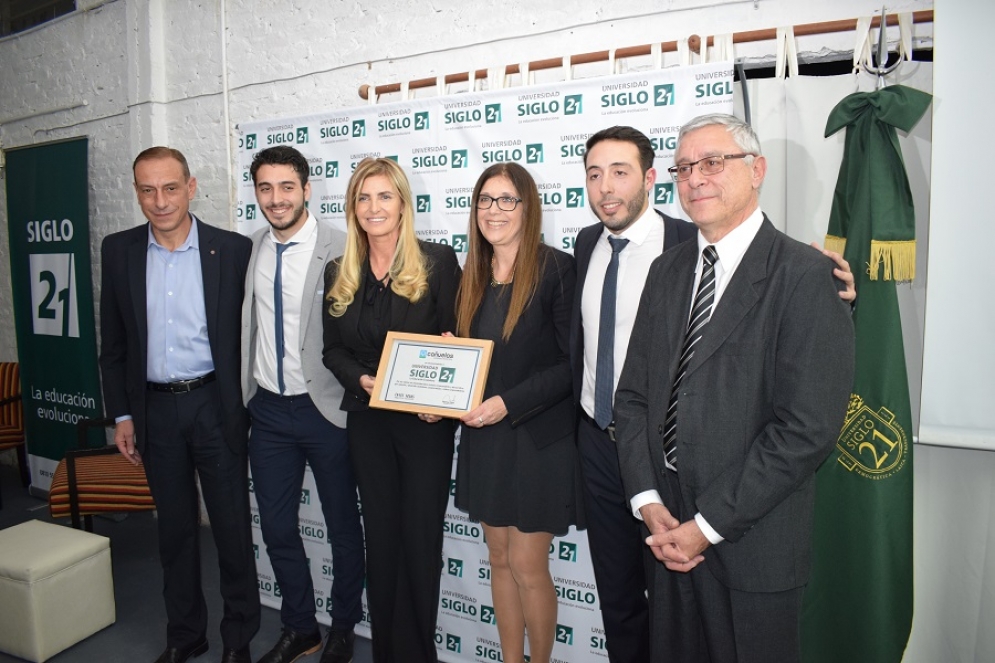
<point x="139" y="633"/>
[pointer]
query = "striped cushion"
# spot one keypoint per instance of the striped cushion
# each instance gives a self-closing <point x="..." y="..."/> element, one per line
<point x="11" y="414"/>
<point x="106" y="483"/>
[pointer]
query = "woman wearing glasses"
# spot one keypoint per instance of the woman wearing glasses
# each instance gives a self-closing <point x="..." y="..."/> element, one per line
<point x="389" y="281"/>
<point x="518" y="470"/>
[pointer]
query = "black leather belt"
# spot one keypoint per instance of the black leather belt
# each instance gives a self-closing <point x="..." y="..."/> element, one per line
<point x="611" y="427"/>
<point x="182" y="386"/>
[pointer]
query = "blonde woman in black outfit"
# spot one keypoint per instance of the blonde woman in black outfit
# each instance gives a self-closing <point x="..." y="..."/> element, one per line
<point x="389" y="281"/>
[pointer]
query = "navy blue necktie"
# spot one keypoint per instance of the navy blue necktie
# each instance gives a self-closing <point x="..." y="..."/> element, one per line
<point x="278" y="311"/>
<point x="701" y="312"/>
<point x="604" y="373"/>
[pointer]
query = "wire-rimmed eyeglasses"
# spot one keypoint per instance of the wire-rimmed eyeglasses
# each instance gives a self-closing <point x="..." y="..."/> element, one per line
<point x="504" y="203"/>
<point x="706" y="166"/>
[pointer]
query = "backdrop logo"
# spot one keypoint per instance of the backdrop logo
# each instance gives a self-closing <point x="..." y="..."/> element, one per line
<point x="459" y="159"/>
<point x="575" y="197"/>
<point x="663" y="95"/>
<point x="568" y="551"/>
<point x="447" y="374"/>
<point x="255" y="550"/>
<point x="717" y="89"/>
<point x="334" y="131"/>
<point x="302" y="135"/>
<point x="487" y="615"/>
<point x="460" y="243"/>
<point x="333" y="208"/>
<point x="331" y="169"/>
<point x="564" y="634"/>
<point x="250" y="211"/>
<point x="421" y="121"/>
<point x="576" y="595"/>
<point x="664" y="143"/>
<point x="633" y="97"/>
<point x="572" y="150"/>
<point x="492" y="113"/>
<point x="252" y="487"/>
<point x="533" y="153"/>
<point x="423" y="203"/>
<point x="358" y="128"/>
<point x="250" y="142"/>
<point x="452" y="487"/>
<point x="455" y="567"/>
<point x="465" y="530"/>
<point x="663" y="193"/>
<point x="305" y="495"/>
<point x="453" y="643"/>
<point x="573" y="104"/>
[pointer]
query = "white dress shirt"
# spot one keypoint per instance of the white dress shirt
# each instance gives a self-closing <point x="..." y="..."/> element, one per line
<point x="296" y="261"/>
<point x="645" y="245"/>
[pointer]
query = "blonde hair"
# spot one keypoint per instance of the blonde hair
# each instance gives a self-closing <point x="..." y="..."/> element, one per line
<point x="408" y="271"/>
<point x="528" y="261"/>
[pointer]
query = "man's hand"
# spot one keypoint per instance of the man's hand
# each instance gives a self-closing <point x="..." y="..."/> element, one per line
<point x="679" y="547"/>
<point x="124" y="438"/>
<point x="659" y="521"/>
<point x="842" y="272"/>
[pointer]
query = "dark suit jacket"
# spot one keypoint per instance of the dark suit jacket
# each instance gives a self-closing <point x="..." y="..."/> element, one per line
<point x="761" y="403"/>
<point x="534" y="362"/>
<point x="675" y="231"/>
<point x="224" y="256"/>
<point x="434" y="313"/>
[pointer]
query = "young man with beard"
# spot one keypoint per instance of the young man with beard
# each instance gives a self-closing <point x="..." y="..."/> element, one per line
<point x="293" y="403"/>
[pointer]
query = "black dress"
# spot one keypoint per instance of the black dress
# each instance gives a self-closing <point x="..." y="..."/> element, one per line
<point x="524" y="470"/>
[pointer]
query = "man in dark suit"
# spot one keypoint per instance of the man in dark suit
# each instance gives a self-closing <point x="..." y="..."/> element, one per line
<point x="170" y="309"/>
<point x="293" y="402"/>
<point x="620" y="177"/>
<point x="734" y="388"/>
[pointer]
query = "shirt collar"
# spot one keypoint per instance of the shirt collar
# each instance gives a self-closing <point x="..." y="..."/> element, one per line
<point x="640" y="230"/>
<point x="732" y="247"/>
<point x="302" y="235"/>
<point x="191" y="242"/>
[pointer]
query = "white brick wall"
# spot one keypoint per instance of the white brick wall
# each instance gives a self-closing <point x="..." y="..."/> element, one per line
<point x="151" y="71"/>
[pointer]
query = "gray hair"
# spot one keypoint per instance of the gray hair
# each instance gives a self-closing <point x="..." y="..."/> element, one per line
<point x="740" y="131"/>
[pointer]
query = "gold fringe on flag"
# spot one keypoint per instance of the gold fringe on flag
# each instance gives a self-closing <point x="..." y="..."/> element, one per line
<point x="899" y="259"/>
<point x="837" y="244"/>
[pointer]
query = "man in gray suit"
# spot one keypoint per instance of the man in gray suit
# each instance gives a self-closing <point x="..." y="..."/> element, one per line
<point x="293" y="403"/>
<point x="733" y="392"/>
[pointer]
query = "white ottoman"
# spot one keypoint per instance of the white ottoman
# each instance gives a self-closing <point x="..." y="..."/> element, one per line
<point x="55" y="588"/>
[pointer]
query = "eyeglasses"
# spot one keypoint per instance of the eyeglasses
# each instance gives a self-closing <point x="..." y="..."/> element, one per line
<point x="706" y="166"/>
<point x="504" y="203"/>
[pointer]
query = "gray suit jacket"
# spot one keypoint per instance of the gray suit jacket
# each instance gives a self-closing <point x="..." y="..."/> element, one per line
<point x="760" y="408"/>
<point x="324" y="389"/>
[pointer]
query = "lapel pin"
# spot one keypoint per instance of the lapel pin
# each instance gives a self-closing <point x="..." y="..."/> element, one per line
<point x="212" y="252"/>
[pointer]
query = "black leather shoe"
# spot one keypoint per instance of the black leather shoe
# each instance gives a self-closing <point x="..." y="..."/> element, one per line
<point x="339" y="647"/>
<point x="293" y="645"/>
<point x="179" y="655"/>
<point x="236" y="655"/>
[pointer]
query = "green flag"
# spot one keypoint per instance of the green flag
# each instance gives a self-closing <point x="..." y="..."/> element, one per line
<point x="858" y="604"/>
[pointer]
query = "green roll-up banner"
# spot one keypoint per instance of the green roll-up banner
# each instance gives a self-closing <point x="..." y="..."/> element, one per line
<point x="49" y="230"/>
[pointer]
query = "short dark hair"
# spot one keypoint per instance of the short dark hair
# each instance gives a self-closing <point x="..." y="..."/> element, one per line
<point x="281" y="155"/>
<point x="160" y="152"/>
<point x="626" y="135"/>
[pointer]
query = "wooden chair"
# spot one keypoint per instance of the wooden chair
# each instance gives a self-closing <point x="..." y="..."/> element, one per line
<point x="12" y="417"/>
<point x="89" y="481"/>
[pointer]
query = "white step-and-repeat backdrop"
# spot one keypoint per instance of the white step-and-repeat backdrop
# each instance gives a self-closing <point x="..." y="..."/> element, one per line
<point x="444" y="143"/>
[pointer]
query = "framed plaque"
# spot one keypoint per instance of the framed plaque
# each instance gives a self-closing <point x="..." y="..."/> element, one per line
<point x="427" y="374"/>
